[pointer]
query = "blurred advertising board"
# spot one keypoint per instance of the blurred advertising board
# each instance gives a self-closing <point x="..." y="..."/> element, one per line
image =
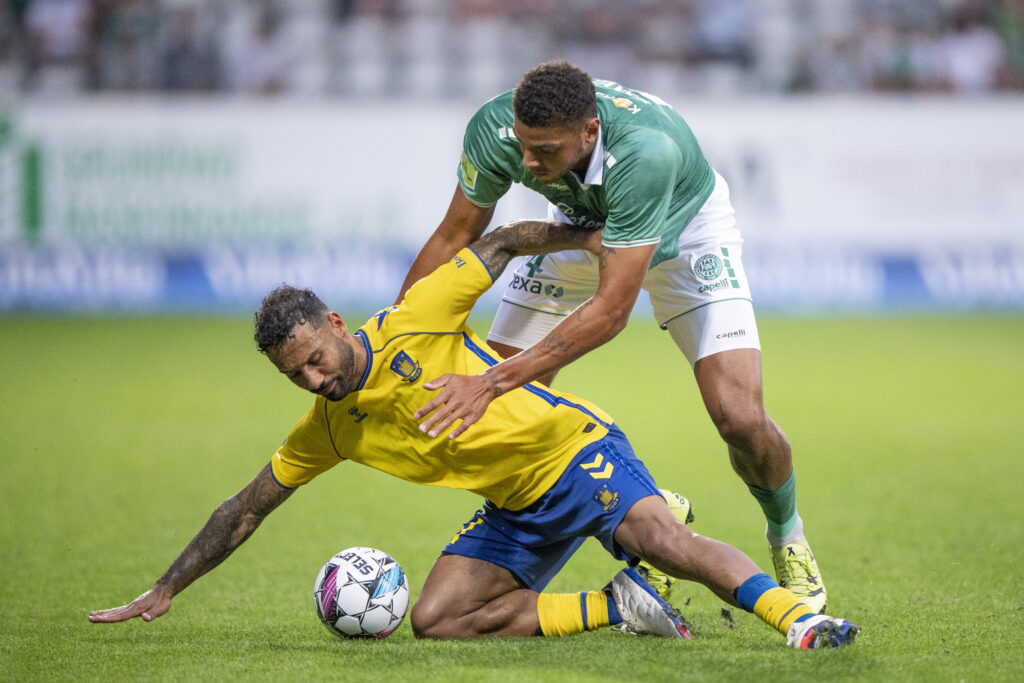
<point x="141" y="205"/>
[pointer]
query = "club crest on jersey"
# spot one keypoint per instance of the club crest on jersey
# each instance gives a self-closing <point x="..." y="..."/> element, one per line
<point x="708" y="267"/>
<point x="606" y="498"/>
<point x="405" y="367"/>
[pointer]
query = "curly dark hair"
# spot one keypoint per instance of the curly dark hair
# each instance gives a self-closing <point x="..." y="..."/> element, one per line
<point x="555" y="94"/>
<point x="283" y="309"/>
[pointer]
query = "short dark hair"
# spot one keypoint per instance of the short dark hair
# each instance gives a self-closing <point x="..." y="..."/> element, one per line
<point x="555" y="94"/>
<point x="283" y="309"/>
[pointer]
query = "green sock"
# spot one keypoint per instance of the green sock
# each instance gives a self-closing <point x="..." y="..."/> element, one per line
<point x="779" y="507"/>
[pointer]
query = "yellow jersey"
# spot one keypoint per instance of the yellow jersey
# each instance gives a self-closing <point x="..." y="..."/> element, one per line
<point x="511" y="456"/>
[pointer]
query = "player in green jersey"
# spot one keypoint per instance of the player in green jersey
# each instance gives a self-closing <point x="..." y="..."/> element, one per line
<point x="623" y="161"/>
<point x="553" y="469"/>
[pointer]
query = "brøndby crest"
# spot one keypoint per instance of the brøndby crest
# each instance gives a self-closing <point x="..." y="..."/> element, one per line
<point x="607" y="498"/>
<point x="405" y="367"/>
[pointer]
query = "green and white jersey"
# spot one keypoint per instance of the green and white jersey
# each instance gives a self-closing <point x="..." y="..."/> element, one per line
<point x="646" y="180"/>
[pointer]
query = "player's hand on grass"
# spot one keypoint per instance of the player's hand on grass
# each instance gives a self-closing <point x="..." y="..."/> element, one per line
<point x="462" y="397"/>
<point x="150" y="605"/>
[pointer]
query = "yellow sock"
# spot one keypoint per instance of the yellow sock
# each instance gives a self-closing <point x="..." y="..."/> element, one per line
<point x="779" y="608"/>
<point x="563" y="614"/>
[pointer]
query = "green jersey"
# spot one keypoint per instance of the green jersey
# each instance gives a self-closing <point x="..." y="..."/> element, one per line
<point x="646" y="181"/>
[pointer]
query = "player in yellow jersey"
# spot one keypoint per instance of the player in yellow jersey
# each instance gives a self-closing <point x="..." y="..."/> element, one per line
<point x="553" y="470"/>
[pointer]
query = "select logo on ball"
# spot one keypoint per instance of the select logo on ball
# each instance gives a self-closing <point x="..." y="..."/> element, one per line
<point x="361" y="593"/>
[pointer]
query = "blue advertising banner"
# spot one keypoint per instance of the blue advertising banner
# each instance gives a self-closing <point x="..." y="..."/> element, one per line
<point x="235" y="279"/>
<point x="142" y="205"/>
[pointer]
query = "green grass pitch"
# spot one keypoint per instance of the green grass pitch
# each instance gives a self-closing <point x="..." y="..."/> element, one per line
<point x="120" y="436"/>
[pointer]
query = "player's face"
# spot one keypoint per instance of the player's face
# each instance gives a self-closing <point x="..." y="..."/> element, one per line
<point x="550" y="153"/>
<point x="318" y="359"/>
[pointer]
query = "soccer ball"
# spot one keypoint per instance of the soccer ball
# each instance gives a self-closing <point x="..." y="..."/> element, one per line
<point x="361" y="593"/>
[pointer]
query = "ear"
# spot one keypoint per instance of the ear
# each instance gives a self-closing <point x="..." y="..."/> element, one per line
<point x="590" y="129"/>
<point x="337" y="325"/>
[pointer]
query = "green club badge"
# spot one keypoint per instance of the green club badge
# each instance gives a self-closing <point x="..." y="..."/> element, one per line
<point x="708" y="267"/>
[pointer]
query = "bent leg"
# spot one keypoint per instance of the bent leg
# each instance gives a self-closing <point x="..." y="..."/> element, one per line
<point x="730" y="384"/>
<point x="466" y="598"/>
<point x="650" y="531"/>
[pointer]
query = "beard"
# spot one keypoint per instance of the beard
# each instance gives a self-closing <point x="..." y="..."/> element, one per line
<point x="338" y="386"/>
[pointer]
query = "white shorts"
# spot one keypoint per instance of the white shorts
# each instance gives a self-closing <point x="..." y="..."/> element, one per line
<point x="701" y="297"/>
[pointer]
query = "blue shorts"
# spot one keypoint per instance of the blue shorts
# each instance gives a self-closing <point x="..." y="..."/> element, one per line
<point x="591" y="498"/>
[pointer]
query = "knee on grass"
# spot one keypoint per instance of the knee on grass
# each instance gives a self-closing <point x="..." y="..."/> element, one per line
<point x="429" y="619"/>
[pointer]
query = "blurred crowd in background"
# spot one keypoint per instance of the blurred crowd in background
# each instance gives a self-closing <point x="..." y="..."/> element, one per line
<point x="476" y="48"/>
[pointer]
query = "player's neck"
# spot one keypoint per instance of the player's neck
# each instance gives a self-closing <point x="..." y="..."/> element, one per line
<point x="581" y="168"/>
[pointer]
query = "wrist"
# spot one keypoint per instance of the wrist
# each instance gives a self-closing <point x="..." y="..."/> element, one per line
<point x="169" y="586"/>
<point x="503" y="377"/>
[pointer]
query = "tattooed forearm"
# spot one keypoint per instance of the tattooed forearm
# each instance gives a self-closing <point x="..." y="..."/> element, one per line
<point x="493" y="379"/>
<point x="583" y="307"/>
<point x="208" y="549"/>
<point x="556" y="345"/>
<point x="602" y="258"/>
<point x="499" y="246"/>
<point x="228" y="527"/>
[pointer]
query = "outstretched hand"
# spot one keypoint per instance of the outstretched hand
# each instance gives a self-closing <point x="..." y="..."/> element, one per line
<point x="150" y="605"/>
<point x="462" y="397"/>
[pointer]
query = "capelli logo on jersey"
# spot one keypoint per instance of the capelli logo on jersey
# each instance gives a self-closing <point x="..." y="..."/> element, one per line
<point x="405" y="367"/>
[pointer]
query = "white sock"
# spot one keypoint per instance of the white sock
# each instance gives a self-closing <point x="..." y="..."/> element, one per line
<point x="795" y="534"/>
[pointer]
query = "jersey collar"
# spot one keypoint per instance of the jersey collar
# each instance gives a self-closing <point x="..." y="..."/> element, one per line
<point x="369" y="359"/>
<point x="595" y="170"/>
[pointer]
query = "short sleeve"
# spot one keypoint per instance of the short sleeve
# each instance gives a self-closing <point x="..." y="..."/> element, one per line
<point x="308" y="451"/>
<point x="485" y="172"/>
<point x="639" y="190"/>
<point x="443" y="299"/>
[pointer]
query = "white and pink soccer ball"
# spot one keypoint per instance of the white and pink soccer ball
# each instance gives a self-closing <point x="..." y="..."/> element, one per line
<point x="361" y="593"/>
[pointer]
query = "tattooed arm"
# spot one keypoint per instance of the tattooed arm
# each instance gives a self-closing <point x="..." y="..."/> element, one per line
<point x="464" y="399"/>
<point x="228" y="527"/>
<point x="526" y="237"/>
